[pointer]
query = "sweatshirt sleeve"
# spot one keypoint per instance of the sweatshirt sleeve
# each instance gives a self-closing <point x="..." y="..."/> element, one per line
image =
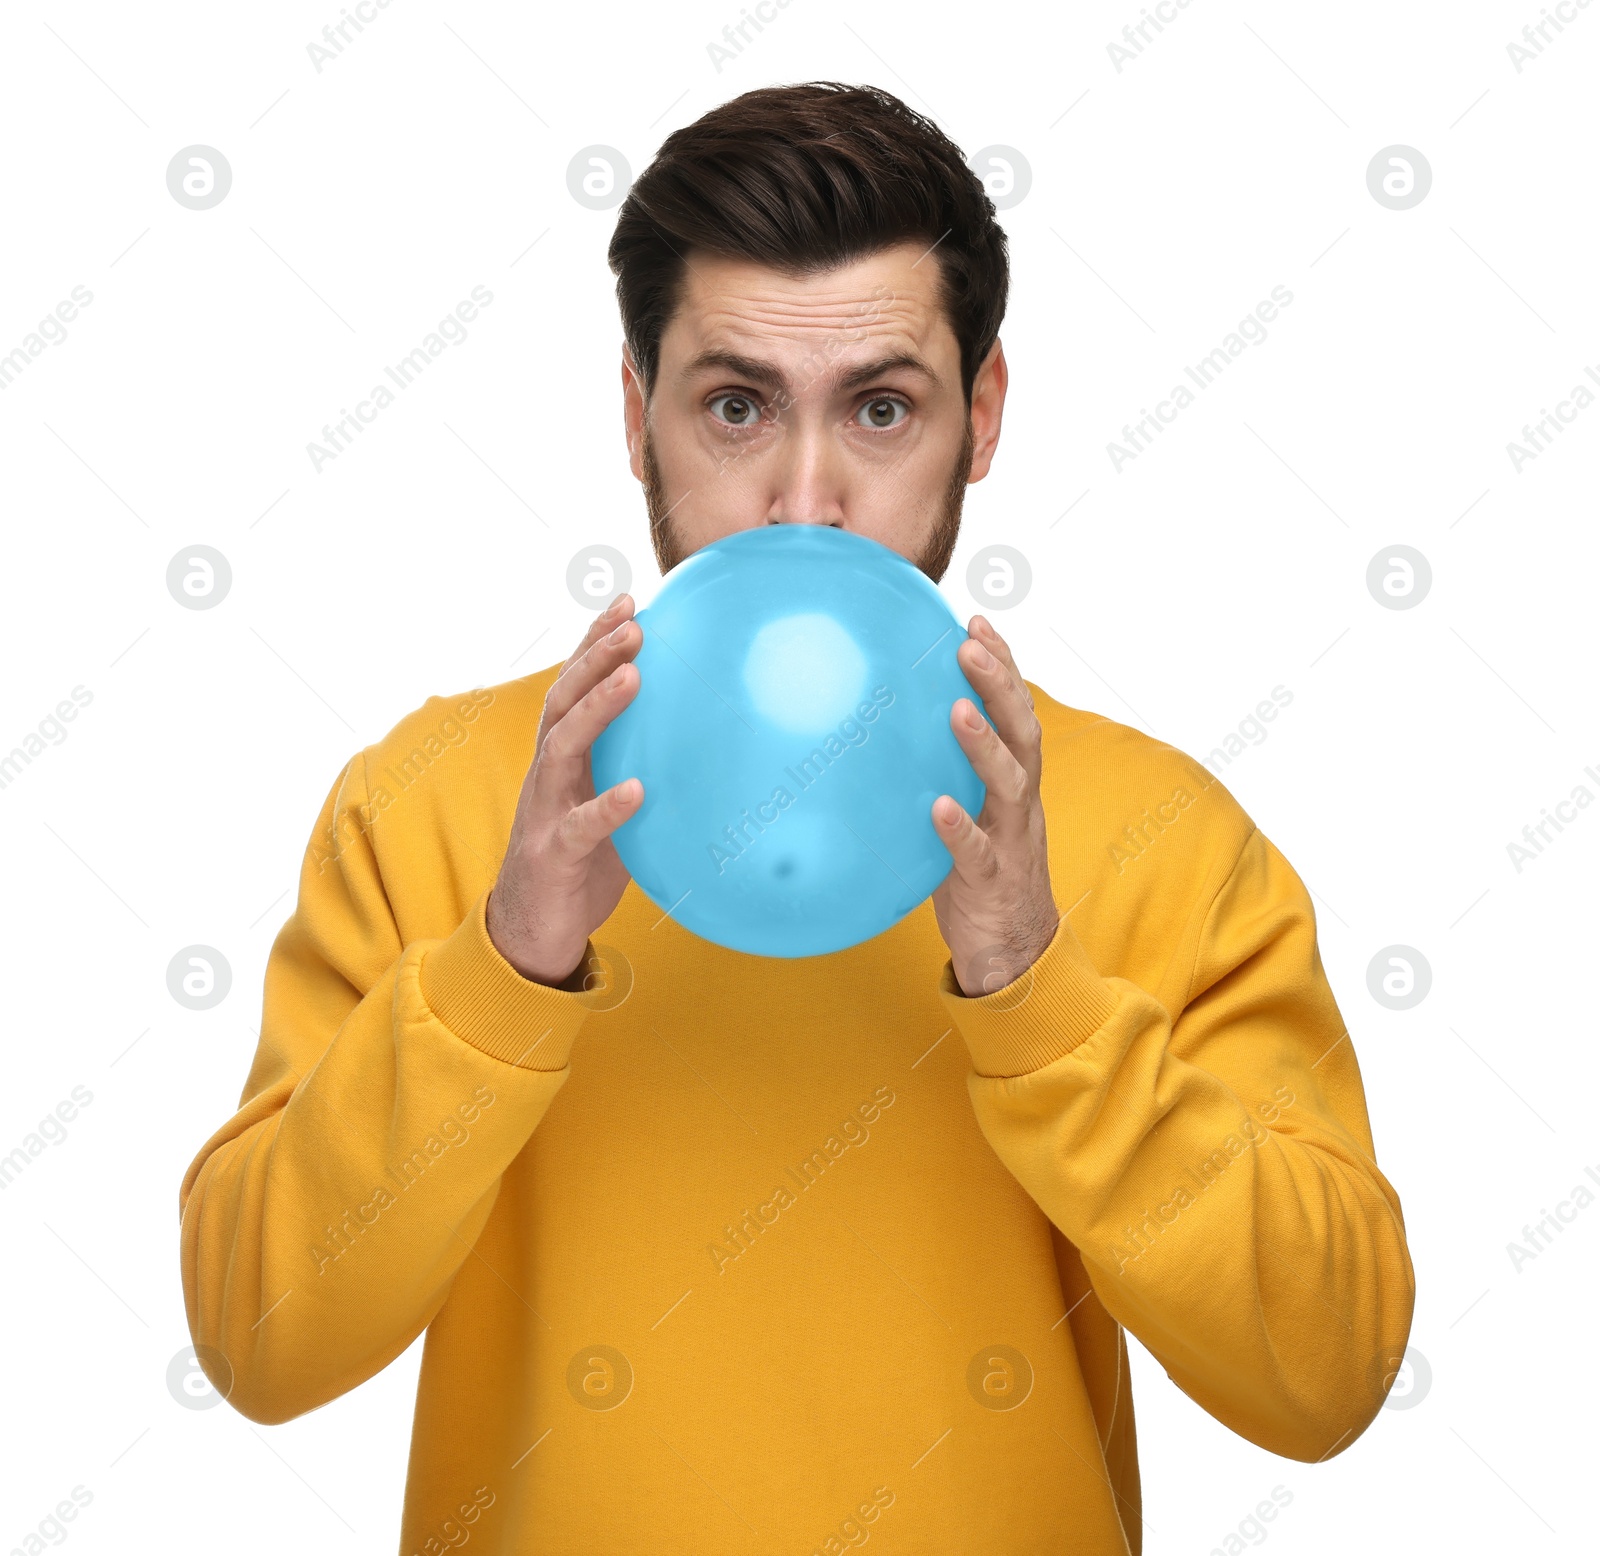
<point x="392" y="1085"/>
<point x="1215" y="1170"/>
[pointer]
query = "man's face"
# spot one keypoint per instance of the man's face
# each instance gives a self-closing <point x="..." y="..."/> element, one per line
<point x="832" y="398"/>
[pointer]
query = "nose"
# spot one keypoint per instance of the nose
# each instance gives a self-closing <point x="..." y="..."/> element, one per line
<point x="808" y="478"/>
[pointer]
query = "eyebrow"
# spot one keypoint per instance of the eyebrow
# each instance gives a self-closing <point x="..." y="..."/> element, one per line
<point x="906" y="361"/>
<point x="766" y="376"/>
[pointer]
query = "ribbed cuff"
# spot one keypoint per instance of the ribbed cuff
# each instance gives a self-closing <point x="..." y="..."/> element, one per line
<point x="1054" y="1006"/>
<point x="485" y="1001"/>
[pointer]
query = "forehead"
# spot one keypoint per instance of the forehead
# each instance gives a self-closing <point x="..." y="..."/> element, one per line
<point x="886" y="300"/>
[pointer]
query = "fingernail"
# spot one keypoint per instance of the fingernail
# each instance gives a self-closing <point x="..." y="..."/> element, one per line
<point x="981" y="657"/>
<point x="616" y="635"/>
<point x="974" y="718"/>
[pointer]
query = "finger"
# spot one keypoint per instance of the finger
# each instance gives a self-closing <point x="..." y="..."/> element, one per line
<point x="1007" y="702"/>
<point x="560" y="761"/>
<point x="982" y="628"/>
<point x="1008" y="791"/>
<point x="586" y="826"/>
<point x="618" y="611"/>
<point x="972" y="853"/>
<point x="584" y="672"/>
<point x="608" y="620"/>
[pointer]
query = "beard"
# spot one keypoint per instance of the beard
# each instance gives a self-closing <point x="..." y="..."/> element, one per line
<point x="936" y="552"/>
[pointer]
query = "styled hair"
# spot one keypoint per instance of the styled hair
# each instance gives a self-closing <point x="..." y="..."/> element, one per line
<point x="803" y="179"/>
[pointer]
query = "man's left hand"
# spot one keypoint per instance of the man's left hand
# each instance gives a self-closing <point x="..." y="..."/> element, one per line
<point x="995" y="908"/>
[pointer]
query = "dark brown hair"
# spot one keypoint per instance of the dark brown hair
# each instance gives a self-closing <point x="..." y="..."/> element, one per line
<point x="802" y="179"/>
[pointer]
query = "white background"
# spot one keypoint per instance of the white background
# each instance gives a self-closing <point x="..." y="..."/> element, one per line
<point x="1167" y="200"/>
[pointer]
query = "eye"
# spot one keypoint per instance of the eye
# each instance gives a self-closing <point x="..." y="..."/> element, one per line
<point x="882" y="412"/>
<point x="737" y="410"/>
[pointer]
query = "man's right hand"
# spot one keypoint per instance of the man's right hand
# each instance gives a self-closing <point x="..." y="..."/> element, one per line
<point x="561" y="877"/>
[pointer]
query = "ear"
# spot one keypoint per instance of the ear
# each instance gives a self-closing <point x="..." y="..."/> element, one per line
<point x="633" y="411"/>
<point x="988" y="406"/>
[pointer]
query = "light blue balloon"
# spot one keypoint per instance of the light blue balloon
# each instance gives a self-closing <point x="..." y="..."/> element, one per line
<point x="792" y="731"/>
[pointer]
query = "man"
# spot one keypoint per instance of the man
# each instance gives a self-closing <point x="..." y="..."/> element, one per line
<point x="718" y="1253"/>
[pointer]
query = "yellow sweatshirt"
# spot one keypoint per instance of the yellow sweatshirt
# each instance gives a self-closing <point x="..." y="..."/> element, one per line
<point x="727" y="1254"/>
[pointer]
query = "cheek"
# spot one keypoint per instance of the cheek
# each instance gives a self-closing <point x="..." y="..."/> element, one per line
<point x="721" y="469"/>
<point x="900" y="496"/>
